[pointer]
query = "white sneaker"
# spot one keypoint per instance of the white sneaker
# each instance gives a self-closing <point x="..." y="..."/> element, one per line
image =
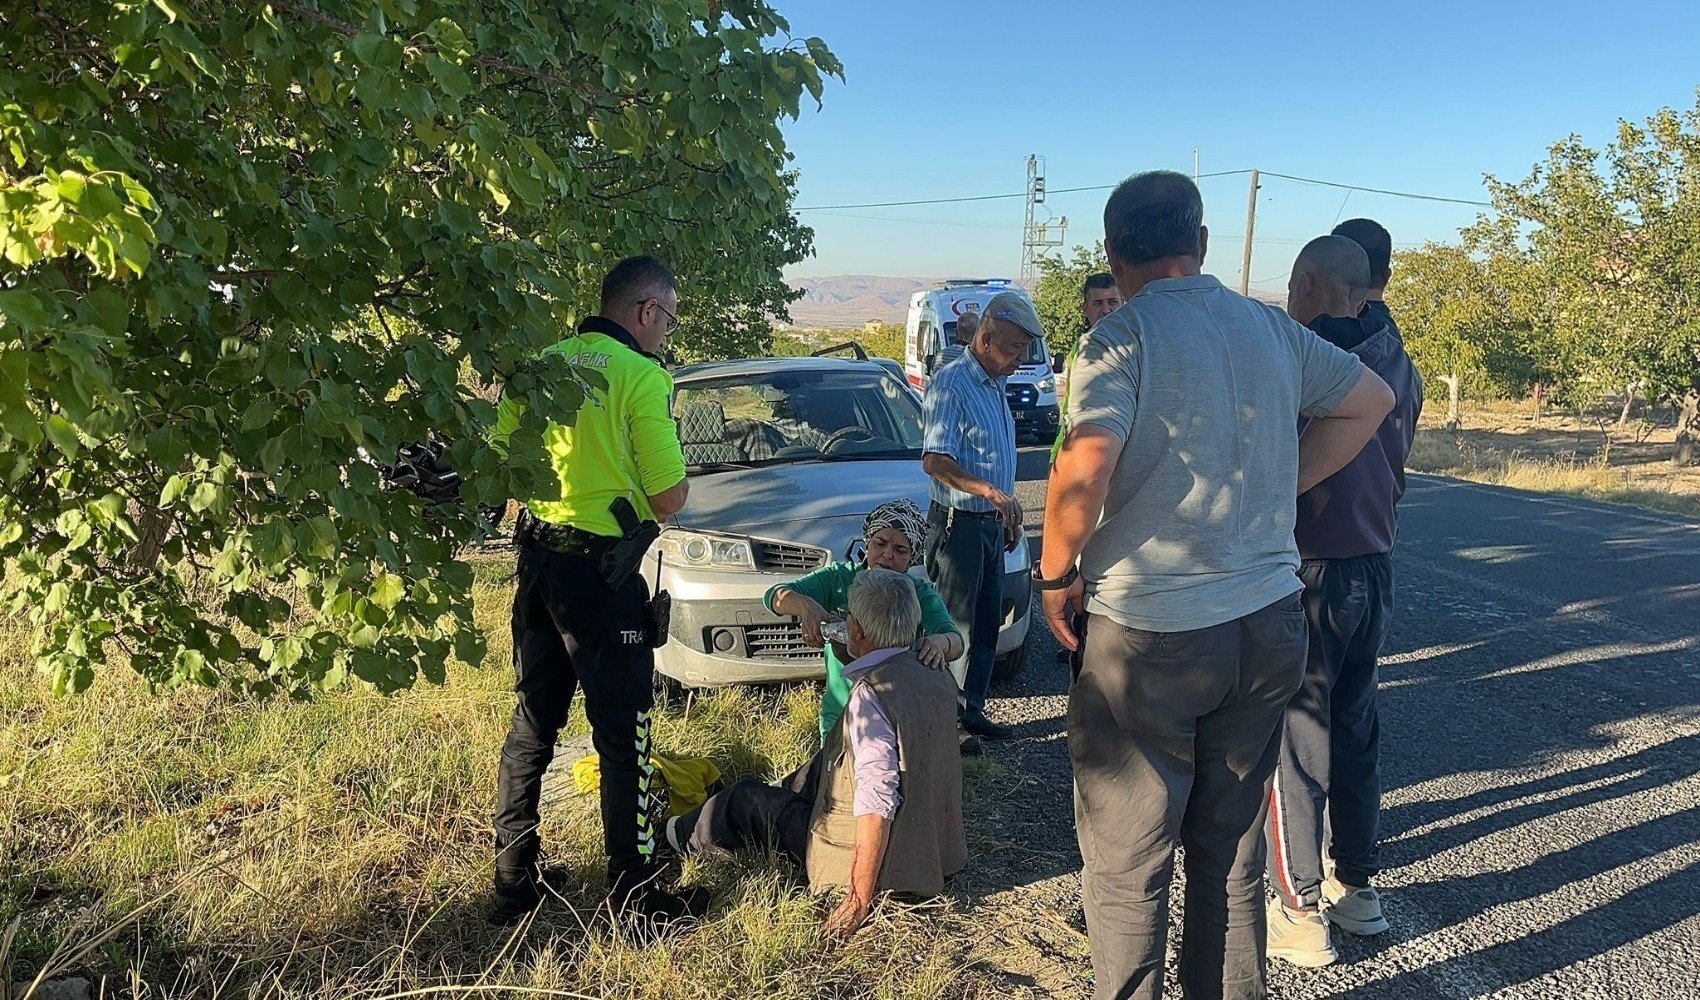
<point x="1299" y="937"/>
<point x="1353" y="910"/>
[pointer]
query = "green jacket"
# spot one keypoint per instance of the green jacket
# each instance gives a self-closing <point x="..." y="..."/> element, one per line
<point x="829" y="586"/>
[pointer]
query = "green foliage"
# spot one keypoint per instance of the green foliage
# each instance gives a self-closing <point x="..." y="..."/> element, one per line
<point x="1609" y="245"/>
<point x="789" y="345"/>
<point x="1059" y="295"/>
<point x="884" y="340"/>
<point x="1585" y="278"/>
<point x="243" y="247"/>
<point x="1455" y="312"/>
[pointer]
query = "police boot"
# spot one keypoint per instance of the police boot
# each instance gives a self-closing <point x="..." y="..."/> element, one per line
<point x="518" y="892"/>
<point x="642" y="907"/>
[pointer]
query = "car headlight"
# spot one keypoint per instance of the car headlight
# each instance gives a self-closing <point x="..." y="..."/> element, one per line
<point x="1047" y="384"/>
<point x="700" y="550"/>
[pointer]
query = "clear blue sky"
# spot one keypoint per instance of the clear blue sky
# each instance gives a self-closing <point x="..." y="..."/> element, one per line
<point x="946" y="99"/>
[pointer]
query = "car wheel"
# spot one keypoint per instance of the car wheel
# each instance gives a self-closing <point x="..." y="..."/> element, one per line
<point x="1007" y="666"/>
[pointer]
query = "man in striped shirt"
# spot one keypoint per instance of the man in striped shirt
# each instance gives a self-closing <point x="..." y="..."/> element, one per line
<point x="975" y="518"/>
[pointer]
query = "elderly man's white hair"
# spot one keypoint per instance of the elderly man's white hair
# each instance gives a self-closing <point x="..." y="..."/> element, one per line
<point x="885" y="606"/>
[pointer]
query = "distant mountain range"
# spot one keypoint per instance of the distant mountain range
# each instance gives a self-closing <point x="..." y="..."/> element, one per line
<point x="855" y="299"/>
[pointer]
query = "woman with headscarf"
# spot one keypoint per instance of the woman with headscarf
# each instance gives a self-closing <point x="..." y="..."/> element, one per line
<point x="892" y="537"/>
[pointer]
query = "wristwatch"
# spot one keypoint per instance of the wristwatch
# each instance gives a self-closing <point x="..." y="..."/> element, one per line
<point x="1040" y="583"/>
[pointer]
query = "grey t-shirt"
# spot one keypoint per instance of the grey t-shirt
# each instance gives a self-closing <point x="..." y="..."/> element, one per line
<point x="1203" y="386"/>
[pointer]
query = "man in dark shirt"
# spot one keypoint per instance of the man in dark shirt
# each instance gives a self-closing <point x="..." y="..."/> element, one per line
<point x="1378" y="246"/>
<point x="1345" y="532"/>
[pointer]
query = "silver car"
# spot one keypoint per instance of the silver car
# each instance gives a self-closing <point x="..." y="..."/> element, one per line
<point x="787" y="456"/>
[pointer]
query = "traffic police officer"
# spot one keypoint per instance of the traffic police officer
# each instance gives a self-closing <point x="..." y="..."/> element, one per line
<point x="571" y="626"/>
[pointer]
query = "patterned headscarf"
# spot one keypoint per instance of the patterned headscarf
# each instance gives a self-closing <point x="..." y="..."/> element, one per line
<point x="902" y="515"/>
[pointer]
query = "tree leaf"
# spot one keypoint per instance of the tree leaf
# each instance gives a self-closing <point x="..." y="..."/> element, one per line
<point x="388" y="590"/>
<point x="62" y="434"/>
<point x="173" y="490"/>
<point x="376" y="51"/>
<point x="454" y="80"/>
<point x="24" y="308"/>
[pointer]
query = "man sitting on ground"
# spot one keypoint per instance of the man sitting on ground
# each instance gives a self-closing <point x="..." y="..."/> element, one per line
<point x="879" y="809"/>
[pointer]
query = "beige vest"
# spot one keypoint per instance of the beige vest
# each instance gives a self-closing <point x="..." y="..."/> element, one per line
<point x="927" y="844"/>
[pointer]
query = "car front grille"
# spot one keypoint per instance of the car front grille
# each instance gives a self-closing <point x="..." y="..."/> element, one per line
<point x="1022" y="396"/>
<point x="784" y="557"/>
<point x="778" y="641"/>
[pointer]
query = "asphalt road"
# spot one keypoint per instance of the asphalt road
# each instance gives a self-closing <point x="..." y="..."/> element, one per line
<point x="1541" y="765"/>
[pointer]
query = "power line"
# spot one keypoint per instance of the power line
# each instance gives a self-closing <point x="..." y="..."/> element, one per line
<point x="906" y="204"/>
<point x="983" y="197"/>
<point x="1106" y="187"/>
<point x="1370" y="190"/>
<point x="925" y="222"/>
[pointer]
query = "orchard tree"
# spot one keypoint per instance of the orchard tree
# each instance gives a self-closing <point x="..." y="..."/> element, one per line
<point x="248" y="250"/>
<point x="1452" y="315"/>
<point x="1058" y="295"/>
<point x="1615" y="241"/>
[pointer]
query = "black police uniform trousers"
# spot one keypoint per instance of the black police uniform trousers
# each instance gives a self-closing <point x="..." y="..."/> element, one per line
<point x="571" y="630"/>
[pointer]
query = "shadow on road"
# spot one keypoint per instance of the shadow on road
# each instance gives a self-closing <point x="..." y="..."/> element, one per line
<point x="1638" y="913"/>
<point x="1536" y="636"/>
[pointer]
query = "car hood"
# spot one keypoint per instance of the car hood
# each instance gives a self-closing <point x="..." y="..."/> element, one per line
<point x="806" y="502"/>
<point x="810" y="503"/>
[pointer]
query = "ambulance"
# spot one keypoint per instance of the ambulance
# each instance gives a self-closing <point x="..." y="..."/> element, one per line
<point x="933" y="314"/>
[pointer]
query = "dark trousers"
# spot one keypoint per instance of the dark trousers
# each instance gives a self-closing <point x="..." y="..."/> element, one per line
<point x="754" y="814"/>
<point x="965" y="562"/>
<point x="1330" y="754"/>
<point x="1173" y="736"/>
<point x="572" y="631"/>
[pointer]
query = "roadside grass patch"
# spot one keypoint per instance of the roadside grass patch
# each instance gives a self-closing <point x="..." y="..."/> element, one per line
<point x="340" y="847"/>
<point x="1502" y="445"/>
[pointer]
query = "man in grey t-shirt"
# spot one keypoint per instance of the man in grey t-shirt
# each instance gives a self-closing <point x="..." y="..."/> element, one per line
<point x="1175" y="491"/>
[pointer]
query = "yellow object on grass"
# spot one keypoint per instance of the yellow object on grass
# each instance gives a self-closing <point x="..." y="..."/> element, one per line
<point x="688" y="779"/>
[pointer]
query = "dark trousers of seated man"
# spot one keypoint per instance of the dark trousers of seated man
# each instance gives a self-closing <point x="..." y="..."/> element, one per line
<point x="1173" y="737"/>
<point x="754" y="814"/>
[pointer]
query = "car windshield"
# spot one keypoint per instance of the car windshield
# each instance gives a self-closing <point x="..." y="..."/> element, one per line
<point x="777" y="417"/>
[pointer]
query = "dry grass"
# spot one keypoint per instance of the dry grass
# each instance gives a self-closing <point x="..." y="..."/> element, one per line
<point x="341" y="847"/>
<point x="1504" y="445"/>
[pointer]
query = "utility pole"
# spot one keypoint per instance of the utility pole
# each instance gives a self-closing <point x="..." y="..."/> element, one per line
<point x="1036" y="235"/>
<point x="1250" y="228"/>
<point x="1195" y="166"/>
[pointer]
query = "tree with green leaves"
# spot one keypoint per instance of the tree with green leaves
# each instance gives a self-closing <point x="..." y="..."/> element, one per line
<point x="1057" y="297"/>
<point x="1452" y="314"/>
<point x="1612" y="242"/>
<point x="247" y="251"/>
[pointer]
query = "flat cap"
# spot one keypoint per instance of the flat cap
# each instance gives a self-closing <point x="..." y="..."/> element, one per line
<point x="1013" y="308"/>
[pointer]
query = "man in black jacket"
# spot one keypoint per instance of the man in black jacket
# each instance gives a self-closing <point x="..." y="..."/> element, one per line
<point x="1345" y="531"/>
<point x="1378" y="246"/>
